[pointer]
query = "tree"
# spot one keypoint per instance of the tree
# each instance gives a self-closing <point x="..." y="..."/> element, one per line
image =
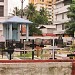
<point x="41" y="17"/>
<point x="44" y="15"/>
<point x="37" y="17"/>
<point x="31" y="14"/>
<point x="16" y="12"/>
<point x="70" y="26"/>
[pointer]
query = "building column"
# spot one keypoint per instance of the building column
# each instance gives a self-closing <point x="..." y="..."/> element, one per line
<point x="18" y="33"/>
<point x="27" y="32"/>
<point x="4" y="31"/>
<point x="10" y="32"/>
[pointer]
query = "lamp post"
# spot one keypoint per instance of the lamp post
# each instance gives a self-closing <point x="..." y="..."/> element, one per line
<point x="22" y="1"/>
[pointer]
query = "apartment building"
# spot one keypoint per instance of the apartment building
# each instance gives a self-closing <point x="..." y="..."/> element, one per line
<point x="60" y="15"/>
<point x="48" y="4"/>
<point x="3" y="13"/>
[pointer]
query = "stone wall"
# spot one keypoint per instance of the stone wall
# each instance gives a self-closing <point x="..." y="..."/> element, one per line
<point x="36" y="68"/>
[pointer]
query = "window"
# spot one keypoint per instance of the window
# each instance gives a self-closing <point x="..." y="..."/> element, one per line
<point x="42" y="0"/>
<point x="50" y="5"/>
<point x="1" y="0"/>
<point x="56" y="26"/>
<point x="62" y="15"/>
<point x="56" y="17"/>
<point x="57" y="0"/>
<point x="67" y="2"/>
<point x="1" y="11"/>
<point x="63" y="26"/>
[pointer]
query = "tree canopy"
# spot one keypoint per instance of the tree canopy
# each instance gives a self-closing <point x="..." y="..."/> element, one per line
<point x="41" y="17"/>
<point x="37" y="17"/>
<point x="70" y="26"/>
<point x="16" y="11"/>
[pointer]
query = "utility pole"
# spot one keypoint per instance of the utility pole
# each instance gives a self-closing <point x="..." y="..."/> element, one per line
<point x="22" y="1"/>
<point x="22" y="8"/>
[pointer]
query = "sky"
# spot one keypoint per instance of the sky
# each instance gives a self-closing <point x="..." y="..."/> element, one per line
<point x="15" y="3"/>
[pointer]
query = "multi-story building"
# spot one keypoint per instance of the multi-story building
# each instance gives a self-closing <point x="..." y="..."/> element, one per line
<point x="48" y="4"/>
<point x="60" y="12"/>
<point x="3" y="13"/>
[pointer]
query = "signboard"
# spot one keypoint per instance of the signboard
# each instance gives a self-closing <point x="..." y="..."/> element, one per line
<point x="23" y="31"/>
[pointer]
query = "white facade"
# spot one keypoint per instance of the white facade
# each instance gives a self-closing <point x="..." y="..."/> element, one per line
<point x="48" y="29"/>
<point x="60" y="17"/>
<point x="5" y="4"/>
<point x="5" y="16"/>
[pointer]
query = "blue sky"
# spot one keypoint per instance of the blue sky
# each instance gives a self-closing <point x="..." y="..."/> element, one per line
<point x="15" y="3"/>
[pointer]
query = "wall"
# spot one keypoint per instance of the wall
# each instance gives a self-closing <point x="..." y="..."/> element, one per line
<point x="35" y="67"/>
<point x="5" y="8"/>
<point x="5" y="4"/>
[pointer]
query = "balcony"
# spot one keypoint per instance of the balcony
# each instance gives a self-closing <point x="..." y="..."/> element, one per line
<point x="61" y="10"/>
<point x="61" y="21"/>
<point x="58" y="1"/>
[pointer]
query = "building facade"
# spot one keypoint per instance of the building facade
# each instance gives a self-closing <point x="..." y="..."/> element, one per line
<point x="3" y="13"/>
<point x="47" y="30"/>
<point x="48" y="4"/>
<point x="60" y="15"/>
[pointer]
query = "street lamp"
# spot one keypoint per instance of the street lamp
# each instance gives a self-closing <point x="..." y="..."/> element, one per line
<point x="22" y="1"/>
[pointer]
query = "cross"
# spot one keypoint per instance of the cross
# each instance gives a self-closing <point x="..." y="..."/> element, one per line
<point x="33" y="45"/>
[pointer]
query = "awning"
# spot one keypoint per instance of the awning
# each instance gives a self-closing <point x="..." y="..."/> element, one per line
<point x="17" y="19"/>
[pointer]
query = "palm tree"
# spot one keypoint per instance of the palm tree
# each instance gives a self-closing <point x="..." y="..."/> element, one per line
<point x="43" y="12"/>
<point x="30" y="12"/>
<point x="31" y="15"/>
<point x="16" y="12"/>
<point x="44" y="15"/>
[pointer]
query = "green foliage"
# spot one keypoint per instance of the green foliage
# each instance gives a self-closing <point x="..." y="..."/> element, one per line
<point x="72" y="48"/>
<point x="37" y="17"/>
<point x="34" y="30"/>
<point x="26" y="55"/>
<point x="31" y="12"/>
<point x="41" y="19"/>
<point x="70" y="26"/>
<point x="16" y="11"/>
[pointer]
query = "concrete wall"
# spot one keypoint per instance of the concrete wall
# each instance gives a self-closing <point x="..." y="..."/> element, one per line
<point x="37" y="68"/>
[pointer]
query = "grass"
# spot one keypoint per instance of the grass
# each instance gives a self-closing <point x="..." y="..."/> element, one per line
<point x="26" y="55"/>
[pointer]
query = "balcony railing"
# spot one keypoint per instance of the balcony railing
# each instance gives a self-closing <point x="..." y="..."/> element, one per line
<point x="61" y="10"/>
<point x="61" y="21"/>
